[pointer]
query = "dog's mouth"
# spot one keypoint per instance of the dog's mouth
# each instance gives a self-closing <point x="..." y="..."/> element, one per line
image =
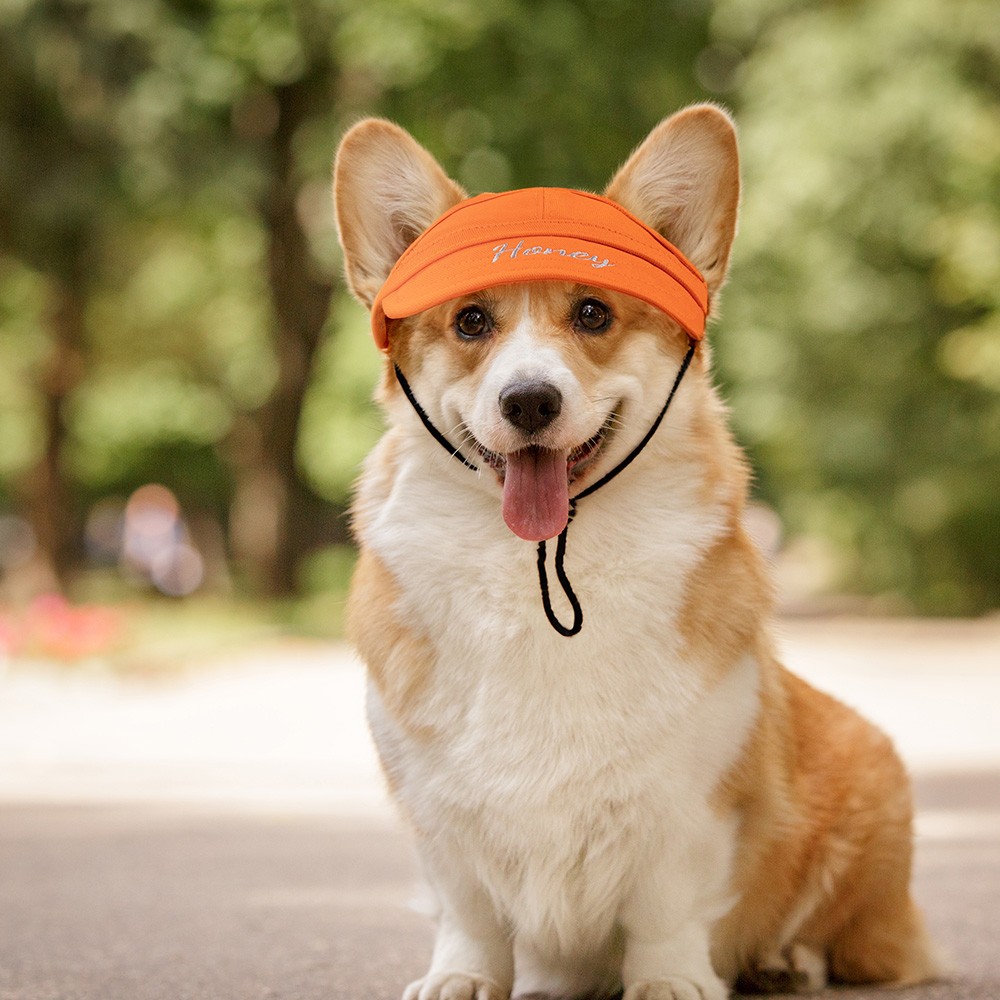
<point x="577" y="461"/>
<point x="536" y="481"/>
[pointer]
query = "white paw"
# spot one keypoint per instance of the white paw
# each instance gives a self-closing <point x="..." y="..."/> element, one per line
<point x="453" y="986"/>
<point x="676" y="988"/>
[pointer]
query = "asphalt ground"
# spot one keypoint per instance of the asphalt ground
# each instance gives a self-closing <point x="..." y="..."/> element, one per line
<point x="224" y="834"/>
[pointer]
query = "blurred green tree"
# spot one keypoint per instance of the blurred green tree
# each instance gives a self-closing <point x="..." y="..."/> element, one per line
<point x="168" y="293"/>
<point x="59" y="179"/>
<point x="189" y="149"/>
<point x="861" y="332"/>
<point x="167" y="183"/>
<point x="556" y="92"/>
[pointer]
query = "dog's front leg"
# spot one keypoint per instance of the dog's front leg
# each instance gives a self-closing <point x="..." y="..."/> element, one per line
<point x="667" y="919"/>
<point x="677" y="967"/>
<point x="473" y="953"/>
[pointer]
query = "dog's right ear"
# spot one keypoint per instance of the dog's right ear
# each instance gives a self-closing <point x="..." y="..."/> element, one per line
<point x="387" y="189"/>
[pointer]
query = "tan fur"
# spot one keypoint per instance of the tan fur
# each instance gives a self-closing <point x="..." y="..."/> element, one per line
<point x="400" y="660"/>
<point x="714" y="641"/>
<point x="826" y="833"/>
<point x="413" y="338"/>
<point x="819" y="800"/>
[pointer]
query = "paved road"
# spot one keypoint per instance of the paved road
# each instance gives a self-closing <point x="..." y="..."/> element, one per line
<point x="131" y="902"/>
<point x="223" y="836"/>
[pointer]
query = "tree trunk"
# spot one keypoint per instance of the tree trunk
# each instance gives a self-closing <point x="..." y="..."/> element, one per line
<point x="46" y="491"/>
<point x="301" y="303"/>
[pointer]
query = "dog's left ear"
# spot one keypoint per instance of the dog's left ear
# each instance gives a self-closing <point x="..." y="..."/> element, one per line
<point x="683" y="180"/>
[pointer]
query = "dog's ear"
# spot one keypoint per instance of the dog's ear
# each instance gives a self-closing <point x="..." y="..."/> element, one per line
<point x="387" y="189"/>
<point x="683" y="180"/>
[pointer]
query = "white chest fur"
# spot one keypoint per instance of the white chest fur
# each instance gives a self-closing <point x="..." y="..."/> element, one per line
<point x="559" y="773"/>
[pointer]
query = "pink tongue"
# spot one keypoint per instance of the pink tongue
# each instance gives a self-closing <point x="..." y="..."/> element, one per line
<point x="536" y="493"/>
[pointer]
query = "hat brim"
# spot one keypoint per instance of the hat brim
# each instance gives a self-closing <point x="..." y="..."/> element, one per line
<point x="545" y="258"/>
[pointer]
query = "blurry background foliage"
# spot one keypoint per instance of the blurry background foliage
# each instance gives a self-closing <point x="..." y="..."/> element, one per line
<point x="172" y="313"/>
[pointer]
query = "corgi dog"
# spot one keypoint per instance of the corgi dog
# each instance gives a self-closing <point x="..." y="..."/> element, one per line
<point x="613" y="784"/>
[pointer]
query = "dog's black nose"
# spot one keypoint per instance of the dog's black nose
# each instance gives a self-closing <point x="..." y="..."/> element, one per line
<point x="530" y="406"/>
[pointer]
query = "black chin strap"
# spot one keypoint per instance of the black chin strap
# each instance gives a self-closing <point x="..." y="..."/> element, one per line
<point x="543" y="578"/>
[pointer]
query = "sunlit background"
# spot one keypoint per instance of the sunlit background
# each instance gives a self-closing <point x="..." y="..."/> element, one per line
<point x="185" y="383"/>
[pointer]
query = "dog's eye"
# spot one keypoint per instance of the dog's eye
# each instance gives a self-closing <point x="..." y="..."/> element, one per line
<point x="472" y="322"/>
<point x="592" y="316"/>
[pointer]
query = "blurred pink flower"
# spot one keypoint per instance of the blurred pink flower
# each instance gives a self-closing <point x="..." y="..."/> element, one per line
<point x="52" y="627"/>
<point x="10" y="636"/>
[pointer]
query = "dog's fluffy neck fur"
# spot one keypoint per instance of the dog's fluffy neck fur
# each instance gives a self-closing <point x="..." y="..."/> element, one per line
<point x="667" y="508"/>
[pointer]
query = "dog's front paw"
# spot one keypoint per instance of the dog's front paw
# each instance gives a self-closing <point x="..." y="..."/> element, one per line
<point x="453" y="986"/>
<point x="676" y="988"/>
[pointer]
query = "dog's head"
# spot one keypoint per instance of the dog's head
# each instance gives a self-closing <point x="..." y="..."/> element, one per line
<point x="550" y="382"/>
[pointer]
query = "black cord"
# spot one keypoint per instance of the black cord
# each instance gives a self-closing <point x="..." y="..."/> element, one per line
<point x="426" y="421"/>
<point x="543" y="578"/>
<point x="543" y="582"/>
<point x="633" y="454"/>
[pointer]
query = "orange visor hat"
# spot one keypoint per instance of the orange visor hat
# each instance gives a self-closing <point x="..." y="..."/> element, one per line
<point x="541" y="234"/>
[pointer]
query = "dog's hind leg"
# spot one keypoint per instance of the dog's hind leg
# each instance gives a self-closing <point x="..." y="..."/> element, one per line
<point x="796" y="968"/>
<point x="885" y="942"/>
